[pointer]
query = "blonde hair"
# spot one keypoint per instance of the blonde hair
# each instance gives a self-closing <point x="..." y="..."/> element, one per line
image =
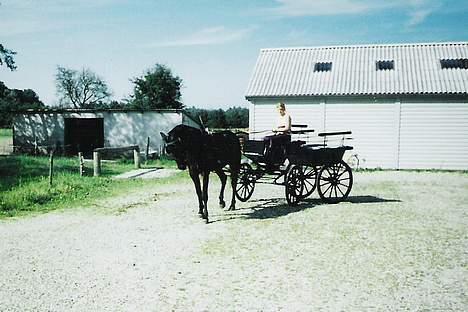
<point x="281" y="105"/>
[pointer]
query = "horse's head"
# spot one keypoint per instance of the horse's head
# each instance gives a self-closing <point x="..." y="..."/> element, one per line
<point x="177" y="145"/>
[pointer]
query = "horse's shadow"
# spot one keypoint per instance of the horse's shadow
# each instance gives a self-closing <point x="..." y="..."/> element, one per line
<point x="277" y="207"/>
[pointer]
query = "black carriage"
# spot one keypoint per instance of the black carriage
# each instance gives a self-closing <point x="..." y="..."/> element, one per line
<point x="299" y="167"/>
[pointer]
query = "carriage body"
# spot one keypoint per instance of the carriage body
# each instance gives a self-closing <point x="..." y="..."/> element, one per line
<point x="300" y="167"/>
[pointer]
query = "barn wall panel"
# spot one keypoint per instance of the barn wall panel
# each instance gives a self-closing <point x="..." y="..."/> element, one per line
<point x="373" y="130"/>
<point x="434" y="135"/>
<point x="41" y="130"/>
<point x="134" y="128"/>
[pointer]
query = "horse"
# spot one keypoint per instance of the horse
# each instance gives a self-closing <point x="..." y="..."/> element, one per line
<point x="202" y="153"/>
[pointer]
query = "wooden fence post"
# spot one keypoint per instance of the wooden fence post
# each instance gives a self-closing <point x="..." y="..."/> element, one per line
<point x="81" y="161"/>
<point x="51" y="167"/>
<point x="147" y="150"/>
<point x="97" y="163"/>
<point x="136" y="157"/>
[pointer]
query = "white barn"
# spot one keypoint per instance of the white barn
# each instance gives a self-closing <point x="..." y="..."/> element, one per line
<point x="73" y="130"/>
<point x="407" y="104"/>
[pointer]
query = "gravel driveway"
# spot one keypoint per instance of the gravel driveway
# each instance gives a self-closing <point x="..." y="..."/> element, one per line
<point x="399" y="243"/>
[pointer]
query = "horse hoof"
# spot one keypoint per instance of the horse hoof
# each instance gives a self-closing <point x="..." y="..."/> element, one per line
<point x="222" y="204"/>
<point x="232" y="208"/>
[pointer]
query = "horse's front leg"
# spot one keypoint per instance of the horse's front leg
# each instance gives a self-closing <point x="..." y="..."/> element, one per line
<point x="206" y="179"/>
<point x="196" y="181"/>
<point x="222" y="176"/>
<point x="234" y="176"/>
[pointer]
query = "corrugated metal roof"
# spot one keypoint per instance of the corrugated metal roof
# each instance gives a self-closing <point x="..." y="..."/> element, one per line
<point x="417" y="70"/>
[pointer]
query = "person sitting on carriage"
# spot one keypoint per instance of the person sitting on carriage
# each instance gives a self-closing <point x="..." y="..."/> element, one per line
<point x="275" y="151"/>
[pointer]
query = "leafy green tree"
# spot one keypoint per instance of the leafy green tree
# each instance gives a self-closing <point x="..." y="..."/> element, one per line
<point x="6" y="57"/>
<point x="234" y="117"/>
<point x="81" y="89"/>
<point x="14" y="100"/>
<point x="216" y="119"/>
<point x="237" y="117"/>
<point x="158" y="88"/>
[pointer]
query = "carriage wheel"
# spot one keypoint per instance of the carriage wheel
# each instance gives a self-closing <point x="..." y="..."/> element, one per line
<point x="335" y="182"/>
<point x="294" y="185"/>
<point x="310" y="180"/>
<point x="245" y="183"/>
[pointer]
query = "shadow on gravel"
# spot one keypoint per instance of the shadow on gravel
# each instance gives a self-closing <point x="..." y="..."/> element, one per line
<point x="369" y="200"/>
<point x="277" y="207"/>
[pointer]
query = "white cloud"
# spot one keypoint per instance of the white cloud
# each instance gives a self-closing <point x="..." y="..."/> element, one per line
<point x="418" y="16"/>
<point x="208" y="36"/>
<point x="418" y="10"/>
<point x="324" y="7"/>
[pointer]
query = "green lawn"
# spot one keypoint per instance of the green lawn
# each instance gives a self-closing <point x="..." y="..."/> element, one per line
<point x="24" y="183"/>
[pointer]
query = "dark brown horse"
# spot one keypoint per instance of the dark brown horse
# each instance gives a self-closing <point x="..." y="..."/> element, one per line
<point x="202" y="153"/>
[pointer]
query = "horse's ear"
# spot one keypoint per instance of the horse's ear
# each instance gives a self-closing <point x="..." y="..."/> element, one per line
<point x="164" y="136"/>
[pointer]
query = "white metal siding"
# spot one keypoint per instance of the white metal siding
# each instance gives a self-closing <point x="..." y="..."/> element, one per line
<point x="391" y="133"/>
<point x="373" y="127"/>
<point x="434" y="135"/>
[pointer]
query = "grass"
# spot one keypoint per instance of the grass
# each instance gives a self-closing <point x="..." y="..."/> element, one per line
<point x="6" y="133"/>
<point x="24" y="183"/>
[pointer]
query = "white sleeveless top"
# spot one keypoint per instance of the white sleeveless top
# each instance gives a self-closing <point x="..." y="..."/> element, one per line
<point x="284" y="122"/>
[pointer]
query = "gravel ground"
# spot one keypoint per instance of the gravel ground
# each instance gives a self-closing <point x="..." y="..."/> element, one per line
<point x="399" y="243"/>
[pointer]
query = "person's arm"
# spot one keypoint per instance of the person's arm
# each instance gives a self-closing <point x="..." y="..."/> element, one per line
<point x="287" y="128"/>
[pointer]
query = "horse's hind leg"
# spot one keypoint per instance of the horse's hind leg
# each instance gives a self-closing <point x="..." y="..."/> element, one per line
<point x="234" y="175"/>
<point x="222" y="176"/>
<point x="206" y="179"/>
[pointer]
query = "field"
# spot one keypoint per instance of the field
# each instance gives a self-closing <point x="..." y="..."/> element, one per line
<point x="25" y="189"/>
<point x="399" y="243"/>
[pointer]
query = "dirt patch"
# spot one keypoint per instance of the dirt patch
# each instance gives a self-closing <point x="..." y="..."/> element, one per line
<point x="399" y="243"/>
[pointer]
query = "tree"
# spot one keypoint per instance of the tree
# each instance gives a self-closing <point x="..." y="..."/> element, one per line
<point x="158" y="88"/>
<point x="6" y="57"/>
<point x="234" y="117"/>
<point x="13" y="100"/>
<point x="237" y="117"/>
<point x="216" y="119"/>
<point x="81" y="89"/>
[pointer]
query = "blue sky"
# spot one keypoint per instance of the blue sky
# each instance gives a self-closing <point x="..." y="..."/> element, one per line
<point x="212" y="45"/>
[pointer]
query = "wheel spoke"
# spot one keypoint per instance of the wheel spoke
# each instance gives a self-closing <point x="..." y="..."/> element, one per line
<point x="345" y="185"/>
<point x="327" y="189"/>
<point x="339" y="189"/>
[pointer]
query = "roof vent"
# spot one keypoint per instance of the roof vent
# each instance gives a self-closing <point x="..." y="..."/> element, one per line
<point x="323" y="66"/>
<point x="385" y="65"/>
<point x="454" y="63"/>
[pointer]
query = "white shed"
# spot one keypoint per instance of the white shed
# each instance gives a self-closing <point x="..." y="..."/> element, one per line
<point x="83" y="130"/>
<point x="407" y="104"/>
